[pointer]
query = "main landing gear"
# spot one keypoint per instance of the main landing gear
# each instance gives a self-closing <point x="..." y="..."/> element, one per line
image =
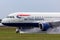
<point x="18" y="29"/>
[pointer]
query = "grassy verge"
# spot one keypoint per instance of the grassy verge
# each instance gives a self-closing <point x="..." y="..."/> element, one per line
<point x="9" y="34"/>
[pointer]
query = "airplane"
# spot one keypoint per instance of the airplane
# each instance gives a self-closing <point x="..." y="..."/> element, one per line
<point x="27" y="20"/>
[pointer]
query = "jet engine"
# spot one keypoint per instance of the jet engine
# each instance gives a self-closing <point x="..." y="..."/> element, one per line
<point x="45" y="26"/>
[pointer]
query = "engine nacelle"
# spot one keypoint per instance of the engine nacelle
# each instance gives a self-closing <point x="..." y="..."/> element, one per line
<point x="45" y="26"/>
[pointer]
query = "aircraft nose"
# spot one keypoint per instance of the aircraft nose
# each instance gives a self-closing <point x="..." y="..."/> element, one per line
<point x="4" y="20"/>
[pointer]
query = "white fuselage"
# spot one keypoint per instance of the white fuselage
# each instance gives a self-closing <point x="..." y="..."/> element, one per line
<point x="24" y="17"/>
<point x="32" y="19"/>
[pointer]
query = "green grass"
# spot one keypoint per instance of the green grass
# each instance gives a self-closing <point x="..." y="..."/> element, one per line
<point x="9" y="34"/>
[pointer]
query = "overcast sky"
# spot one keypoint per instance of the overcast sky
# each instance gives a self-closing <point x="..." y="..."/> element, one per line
<point x="11" y="6"/>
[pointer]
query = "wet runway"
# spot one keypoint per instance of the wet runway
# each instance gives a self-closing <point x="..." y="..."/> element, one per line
<point x="37" y="30"/>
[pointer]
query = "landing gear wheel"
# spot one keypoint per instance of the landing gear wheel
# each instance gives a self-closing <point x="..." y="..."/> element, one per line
<point x="18" y="30"/>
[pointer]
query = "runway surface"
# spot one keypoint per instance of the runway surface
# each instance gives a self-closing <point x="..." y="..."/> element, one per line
<point x="37" y="30"/>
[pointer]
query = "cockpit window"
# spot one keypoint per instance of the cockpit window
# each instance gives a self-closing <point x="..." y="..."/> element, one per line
<point x="10" y="16"/>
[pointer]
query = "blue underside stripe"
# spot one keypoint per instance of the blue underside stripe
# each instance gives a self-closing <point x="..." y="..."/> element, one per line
<point x="21" y="24"/>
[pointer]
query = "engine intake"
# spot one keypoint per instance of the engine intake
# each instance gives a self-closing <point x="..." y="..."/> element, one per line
<point x="45" y="26"/>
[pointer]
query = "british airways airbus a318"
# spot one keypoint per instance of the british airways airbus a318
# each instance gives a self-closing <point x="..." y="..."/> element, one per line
<point x="25" y="20"/>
